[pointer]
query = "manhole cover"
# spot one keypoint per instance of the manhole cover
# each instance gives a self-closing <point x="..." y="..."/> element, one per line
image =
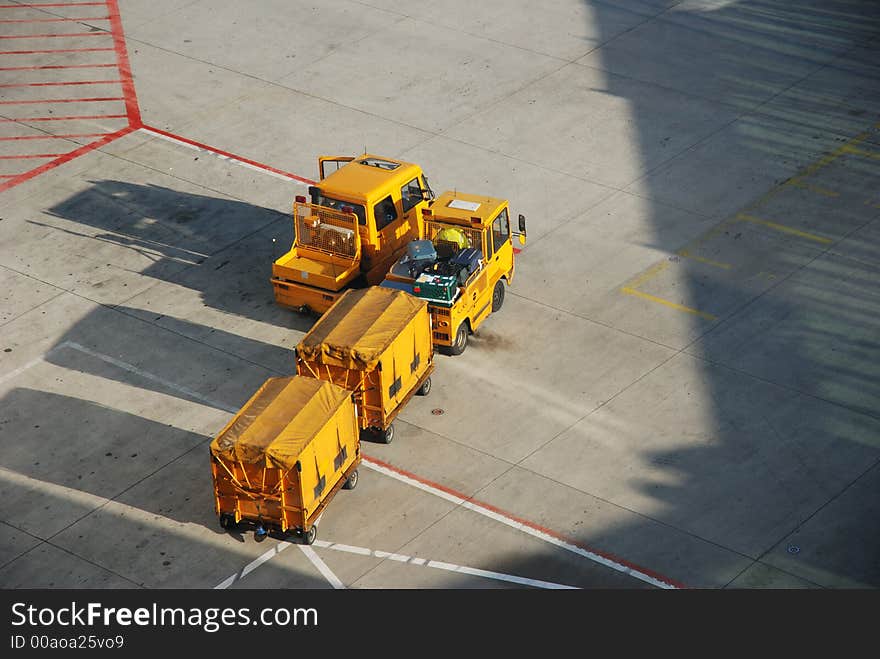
<point x="794" y="549"/>
<point x="436" y="411"/>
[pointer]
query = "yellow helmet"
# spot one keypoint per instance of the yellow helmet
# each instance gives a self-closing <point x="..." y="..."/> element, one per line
<point x="452" y="235"/>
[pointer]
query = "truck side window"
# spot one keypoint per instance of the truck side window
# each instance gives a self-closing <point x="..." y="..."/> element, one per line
<point x="411" y="194"/>
<point x="385" y="213"/>
<point x="500" y="230"/>
<point x="344" y="206"/>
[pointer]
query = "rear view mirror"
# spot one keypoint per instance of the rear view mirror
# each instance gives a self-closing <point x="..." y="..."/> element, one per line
<point x="522" y="223"/>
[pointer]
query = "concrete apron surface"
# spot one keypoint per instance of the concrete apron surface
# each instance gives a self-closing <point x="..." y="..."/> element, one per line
<point x="681" y="390"/>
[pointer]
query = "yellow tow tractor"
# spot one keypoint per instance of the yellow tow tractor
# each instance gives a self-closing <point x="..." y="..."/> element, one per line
<point x="460" y="264"/>
<point x="358" y="221"/>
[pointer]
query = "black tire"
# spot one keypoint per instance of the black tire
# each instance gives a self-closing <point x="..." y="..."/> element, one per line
<point x="498" y="296"/>
<point x="309" y="537"/>
<point x="425" y="389"/>
<point x="351" y="482"/>
<point x="386" y="436"/>
<point x="227" y="521"/>
<point x="461" y="340"/>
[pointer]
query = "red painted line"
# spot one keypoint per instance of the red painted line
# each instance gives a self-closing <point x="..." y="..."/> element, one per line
<point x="9" y="175"/>
<point x="526" y="522"/>
<point x="50" y="137"/>
<point x="131" y="103"/>
<point x="54" y="36"/>
<point x="65" y="158"/>
<point x="89" y="116"/>
<point x="55" y="20"/>
<point x="64" y="100"/>
<point x="53" y="4"/>
<point x="232" y="156"/>
<point x="60" y="84"/>
<point x="32" y="155"/>
<point x="63" y="50"/>
<point x="56" y="66"/>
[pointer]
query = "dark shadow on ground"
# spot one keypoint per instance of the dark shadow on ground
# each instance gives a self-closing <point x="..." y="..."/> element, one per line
<point x="62" y="457"/>
<point x="220" y="247"/>
<point x="790" y="365"/>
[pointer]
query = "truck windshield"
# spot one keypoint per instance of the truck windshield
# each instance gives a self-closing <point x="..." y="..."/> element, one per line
<point x="339" y="205"/>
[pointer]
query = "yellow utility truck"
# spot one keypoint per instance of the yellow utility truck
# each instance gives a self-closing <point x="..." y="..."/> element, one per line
<point x="355" y="224"/>
<point x="376" y="343"/>
<point x="460" y="264"/>
<point x="281" y="459"/>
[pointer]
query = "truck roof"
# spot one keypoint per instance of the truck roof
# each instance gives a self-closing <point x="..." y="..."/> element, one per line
<point x="460" y="206"/>
<point x="369" y="177"/>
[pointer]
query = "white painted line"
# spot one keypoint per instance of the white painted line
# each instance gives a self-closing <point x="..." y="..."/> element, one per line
<point x="145" y="374"/>
<point x="350" y="549"/>
<point x="546" y="537"/>
<point x="124" y="366"/>
<point x="377" y="553"/>
<point x="412" y="481"/>
<point x="265" y="556"/>
<point x="253" y="565"/>
<point x="226" y="583"/>
<point x="580" y="551"/>
<point x="535" y="583"/>
<point x="322" y="567"/>
<point x="450" y="567"/>
<point x="21" y="369"/>
<point x="221" y="156"/>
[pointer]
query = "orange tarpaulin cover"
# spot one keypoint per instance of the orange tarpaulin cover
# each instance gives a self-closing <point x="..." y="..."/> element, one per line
<point x="279" y="420"/>
<point x="360" y="326"/>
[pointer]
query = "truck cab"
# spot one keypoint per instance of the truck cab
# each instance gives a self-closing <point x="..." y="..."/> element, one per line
<point x="460" y="265"/>
<point x="356" y="222"/>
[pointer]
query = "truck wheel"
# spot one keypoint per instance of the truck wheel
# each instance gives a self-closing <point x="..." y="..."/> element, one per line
<point x="498" y="296"/>
<point x="461" y="339"/>
<point x="385" y="436"/>
<point x="425" y="389"/>
<point x="227" y="521"/>
<point x="351" y="482"/>
<point x="310" y="536"/>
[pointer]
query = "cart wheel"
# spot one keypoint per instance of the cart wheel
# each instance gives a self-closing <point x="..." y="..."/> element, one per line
<point x="310" y="536"/>
<point x="227" y="521"/>
<point x="385" y="436"/>
<point x="425" y="389"/>
<point x="461" y="340"/>
<point x="498" y="296"/>
<point x="351" y="482"/>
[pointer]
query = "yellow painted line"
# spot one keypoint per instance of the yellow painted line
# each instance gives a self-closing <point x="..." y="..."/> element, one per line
<point x="653" y="271"/>
<point x="816" y="166"/>
<point x="848" y="148"/>
<point x="798" y="183"/>
<point x="686" y="254"/>
<point x="667" y="303"/>
<point x="784" y="229"/>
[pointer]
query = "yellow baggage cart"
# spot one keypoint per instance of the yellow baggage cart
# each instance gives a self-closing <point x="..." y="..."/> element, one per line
<point x="375" y="342"/>
<point x="284" y="455"/>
